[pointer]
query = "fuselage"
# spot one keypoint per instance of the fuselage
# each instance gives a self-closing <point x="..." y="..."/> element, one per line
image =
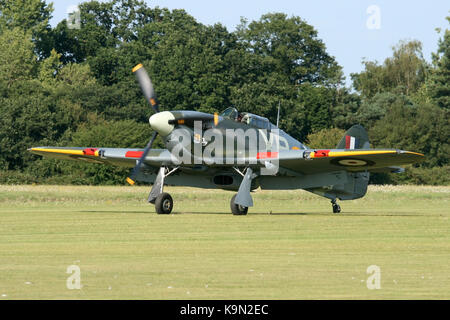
<point x="230" y="135"/>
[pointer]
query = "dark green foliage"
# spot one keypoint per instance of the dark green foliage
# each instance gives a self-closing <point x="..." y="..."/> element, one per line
<point x="377" y="107"/>
<point x="439" y="84"/>
<point x="113" y="134"/>
<point x="325" y="138"/>
<point x="75" y="87"/>
<point x="420" y="128"/>
<point x="437" y="176"/>
<point x="294" y="46"/>
<point x="403" y="73"/>
<point x="29" y="116"/>
<point x="30" y="16"/>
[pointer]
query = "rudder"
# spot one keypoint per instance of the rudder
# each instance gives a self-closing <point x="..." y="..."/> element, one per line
<point x="355" y="138"/>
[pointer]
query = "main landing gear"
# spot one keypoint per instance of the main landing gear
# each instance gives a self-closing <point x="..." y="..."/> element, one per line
<point x="163" y="201"/>
<point x="243" y="200"/>
<point x="336" y="207"/>
<point x="237" y="209"/>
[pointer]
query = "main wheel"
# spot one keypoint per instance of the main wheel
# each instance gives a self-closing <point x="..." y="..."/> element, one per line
<point x="336" y="208"/>
<point x="237" y="209"/>
<point x="164" y="203"/>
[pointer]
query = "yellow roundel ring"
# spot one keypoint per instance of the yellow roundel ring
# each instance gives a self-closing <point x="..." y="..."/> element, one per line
<point x="352" y="162"/>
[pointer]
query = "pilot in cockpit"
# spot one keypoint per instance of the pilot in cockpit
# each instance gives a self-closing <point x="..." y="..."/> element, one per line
<point x="232" y="114"/>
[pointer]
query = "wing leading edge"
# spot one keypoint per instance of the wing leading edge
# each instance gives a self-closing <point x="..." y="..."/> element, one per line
<point x="112" y="156"/>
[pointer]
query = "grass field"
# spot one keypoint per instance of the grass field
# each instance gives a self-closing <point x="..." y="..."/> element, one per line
<point x="289" y="246"/>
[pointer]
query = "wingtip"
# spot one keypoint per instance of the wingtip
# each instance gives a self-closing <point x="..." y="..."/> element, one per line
<point x="418" y="154"/>
<point x="414" y="153"/>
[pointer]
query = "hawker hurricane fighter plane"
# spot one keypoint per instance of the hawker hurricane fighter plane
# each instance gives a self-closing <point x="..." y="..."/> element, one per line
<point x="240" y="152"/>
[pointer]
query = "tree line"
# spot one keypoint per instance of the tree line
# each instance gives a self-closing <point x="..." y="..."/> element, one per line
<point x="65" y="86"/>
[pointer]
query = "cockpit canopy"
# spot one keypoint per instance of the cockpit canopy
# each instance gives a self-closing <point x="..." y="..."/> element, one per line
<point x="257" y="121"/>
<point x="247" y="118"/>
<point x="230" y="113"/>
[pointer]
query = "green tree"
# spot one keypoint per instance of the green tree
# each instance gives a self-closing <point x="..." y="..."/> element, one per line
<point x="100" y="133"/>
<point x="29" y="116"/>
<point x="404" y="72"/>
<point x="187" y="62"/>
<point x="32" y="16"/>
<point x="293" y="44"/>
<point x="325" y="138"/>
<point x="345" y="109"/>
<point x="103" y="25"/>
<point x="375" y="109"/>
<point x="439" y="87"/>
<point x="29" y="15"/>
<point x="17" y="59"/>
<point x="76" y="75"/>
<point x="49" y="68"/>
<point x="410" y="127"/>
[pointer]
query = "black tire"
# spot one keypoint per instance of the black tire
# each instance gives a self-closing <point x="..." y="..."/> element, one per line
<point x="164" y="203"/>
<point x="336" y="208"/>
<point x="236" y="209"/>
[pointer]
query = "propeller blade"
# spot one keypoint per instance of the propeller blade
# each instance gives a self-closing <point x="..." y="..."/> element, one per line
<point x="146" y="86"/>
<point x="137" y="168"/>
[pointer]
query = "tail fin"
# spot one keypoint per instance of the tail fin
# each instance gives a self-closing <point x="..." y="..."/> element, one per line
<point x="356" y="187"/>
<point x="355" y="138"/>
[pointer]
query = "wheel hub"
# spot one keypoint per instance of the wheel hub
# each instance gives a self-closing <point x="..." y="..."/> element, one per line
<point x="166" y="204"/>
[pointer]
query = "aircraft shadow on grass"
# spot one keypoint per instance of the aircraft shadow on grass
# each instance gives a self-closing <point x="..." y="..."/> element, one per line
<point x="356" y="214"/>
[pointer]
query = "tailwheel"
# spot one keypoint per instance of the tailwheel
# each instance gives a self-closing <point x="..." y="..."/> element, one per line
<point x="164" y="203"/>
<point x="336" y="207"/>
<point x="236" y="209"/>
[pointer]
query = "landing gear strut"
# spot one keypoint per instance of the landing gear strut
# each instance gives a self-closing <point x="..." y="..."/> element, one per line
<point x="336" y="207"/>
<point x="242" y="200"/>
<point x="163" y="201"/>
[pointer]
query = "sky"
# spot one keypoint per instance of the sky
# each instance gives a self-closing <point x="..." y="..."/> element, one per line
<point x="352" y="30"/>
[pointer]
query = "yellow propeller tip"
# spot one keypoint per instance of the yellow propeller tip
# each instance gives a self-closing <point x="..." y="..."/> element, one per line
<point x="137" y="67"/>
<point x="130" y="181"/>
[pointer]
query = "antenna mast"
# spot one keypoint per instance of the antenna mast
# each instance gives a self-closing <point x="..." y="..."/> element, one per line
<point x="278" y="116"/>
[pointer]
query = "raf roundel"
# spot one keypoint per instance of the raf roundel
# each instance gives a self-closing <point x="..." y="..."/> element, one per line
<point x="352" y="162"/>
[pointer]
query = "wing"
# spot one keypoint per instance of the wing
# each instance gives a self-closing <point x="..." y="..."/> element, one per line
<point x="298" y="161"/>
<point x="111" y="156"/>
<point x="372" y="160"/>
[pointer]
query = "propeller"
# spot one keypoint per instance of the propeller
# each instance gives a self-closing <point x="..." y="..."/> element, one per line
<point x="149" y="93"/>
<point x="136" y="169"/>
<point x="146" y="86"/>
